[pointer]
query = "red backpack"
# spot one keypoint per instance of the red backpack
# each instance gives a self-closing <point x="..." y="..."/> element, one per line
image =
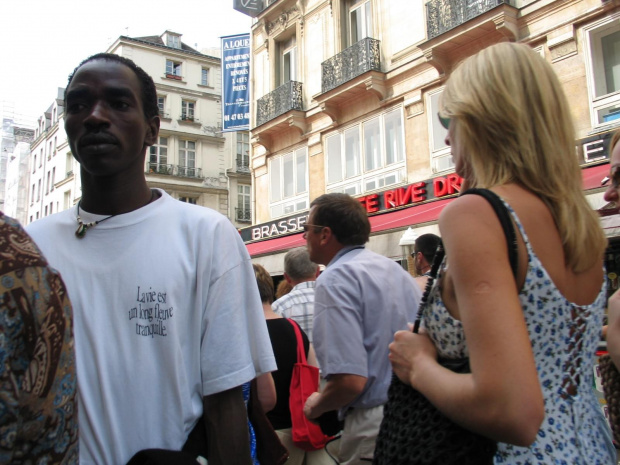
<point x="305" y="380"/>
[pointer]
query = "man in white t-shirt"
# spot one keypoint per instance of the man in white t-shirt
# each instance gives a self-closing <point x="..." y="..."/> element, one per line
<point x="168" y="320"/>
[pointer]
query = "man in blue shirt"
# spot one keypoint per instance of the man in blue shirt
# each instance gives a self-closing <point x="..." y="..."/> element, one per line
<point x="361" y="300"/>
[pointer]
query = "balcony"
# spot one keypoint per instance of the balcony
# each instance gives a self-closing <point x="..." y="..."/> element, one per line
<point x="173" y="170"/>
<point x="190" y="120"/>
<point x="243" y="215"/>
<point x="285" y="98"/>
<point x="352" y="62"/>
<point x="243" y="165"/>
<point x="188" y="172"/>
<point x="443" y="15"/>
<point x="452" y="24"/>
<point x="159" y="168"/>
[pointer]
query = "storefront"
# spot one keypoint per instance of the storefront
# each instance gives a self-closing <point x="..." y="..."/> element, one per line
<point x="418" y="205"/>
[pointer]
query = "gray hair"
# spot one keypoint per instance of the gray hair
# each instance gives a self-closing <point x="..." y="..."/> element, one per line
<point x="298" y="266"/>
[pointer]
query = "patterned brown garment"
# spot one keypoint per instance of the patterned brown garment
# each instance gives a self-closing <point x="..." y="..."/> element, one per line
<point x="38" y="404"/>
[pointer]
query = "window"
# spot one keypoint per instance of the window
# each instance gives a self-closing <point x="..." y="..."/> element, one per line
<point x="604" y="46"/>
<point x="39" y="190"/>
<point x="191" y="200"/>
<point x="53" y="178"/>
<point x="158" y="157"/>
<point x="161" y="104"/>
<point x="67" y="200"/>
<point x="288" y="180"/>
<point x="288" y="63"/>
<point x="244" y="212"/>
<point x="47" y="188"/>
<point x="187" y="158"/>
<point x="243" y="151"/>
<point x="51" y="207"/>
<point x="173" y="69"/>
<point x="45" y="211"/>
<point x="55" y="145"/>
<point x="367" y="156"/>
<point x="360" y="21"/>
<point x="34" y="163"/>
<point x="173" y="41"/>
<point x="204" y="77"/>
<point x="441" y="156"/>
<point x="69" y="164"/>
<point x="187" y="110"/>
<point x="54" y="116"/>
<point x="33" y="193"/>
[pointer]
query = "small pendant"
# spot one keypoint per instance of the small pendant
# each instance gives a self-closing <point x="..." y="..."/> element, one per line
<point x="81" y="230"/>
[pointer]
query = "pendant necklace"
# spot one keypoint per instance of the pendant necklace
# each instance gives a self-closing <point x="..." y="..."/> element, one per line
<point x="80" y="232"/>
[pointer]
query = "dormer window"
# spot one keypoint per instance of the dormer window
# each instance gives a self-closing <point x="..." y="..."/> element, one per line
<point x="173" y="40"/>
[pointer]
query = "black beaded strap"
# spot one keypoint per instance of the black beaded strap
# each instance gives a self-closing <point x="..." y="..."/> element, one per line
<point x="439" y="254"/>
<point x="511" y="238"/>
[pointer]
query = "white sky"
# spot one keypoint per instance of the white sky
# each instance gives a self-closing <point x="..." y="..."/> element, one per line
<point x="42" y="41"/>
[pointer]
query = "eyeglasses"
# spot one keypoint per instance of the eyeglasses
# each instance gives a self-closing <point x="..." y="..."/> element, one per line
<point x="413" y="254"/>
<point x="445" y="122"/>
<point x="307" y="227"/>
<point x="614" y="177"/>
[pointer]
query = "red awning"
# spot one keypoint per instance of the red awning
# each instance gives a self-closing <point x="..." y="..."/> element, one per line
<point x="396" y="219"/>
<point x="593" y="176"/>
<point x="407" y="216"/>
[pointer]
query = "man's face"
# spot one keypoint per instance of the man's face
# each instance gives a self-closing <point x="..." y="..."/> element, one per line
<point x="105" y="123"/>
<point x="313" y="238"/>
<point x="416" y="262"/>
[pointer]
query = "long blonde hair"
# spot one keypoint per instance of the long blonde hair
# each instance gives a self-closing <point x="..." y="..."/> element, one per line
<point x="513" y="125"/>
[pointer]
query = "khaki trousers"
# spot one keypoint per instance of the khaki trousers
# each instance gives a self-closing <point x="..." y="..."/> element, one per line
<point x="361" y="427"/>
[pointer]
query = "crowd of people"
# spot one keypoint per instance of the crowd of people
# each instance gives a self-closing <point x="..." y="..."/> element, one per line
<point x="170" y="322"/>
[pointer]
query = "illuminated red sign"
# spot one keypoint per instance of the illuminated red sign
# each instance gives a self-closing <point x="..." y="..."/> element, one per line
<point x="373" y="203"/>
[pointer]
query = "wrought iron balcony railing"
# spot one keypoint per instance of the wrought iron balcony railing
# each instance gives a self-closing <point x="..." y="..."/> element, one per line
<point x="243" y="215"/>
<point x="443" y="15"/>
<point x="351" y="62"/>
<point x="189" y="119"/>
<point x="173" y="170"/>
<point x="188" y="172"/>
<point x="243" y="165"/>
<point x="285" y="98"/>
<point x="159" y="168"/>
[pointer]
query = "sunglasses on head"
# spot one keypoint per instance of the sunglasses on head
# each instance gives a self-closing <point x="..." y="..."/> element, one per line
<point x="445" y="122"/>
<point x="614" y="177"/>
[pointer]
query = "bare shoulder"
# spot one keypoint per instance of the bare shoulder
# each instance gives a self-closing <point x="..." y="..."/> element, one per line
<point x="466" y="214"/>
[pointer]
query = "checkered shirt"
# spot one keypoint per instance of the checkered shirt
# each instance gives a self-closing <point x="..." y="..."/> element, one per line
<point x="298" y="305"/>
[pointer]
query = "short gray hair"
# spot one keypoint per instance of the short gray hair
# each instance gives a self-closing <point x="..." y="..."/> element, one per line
<point x="297" y="264"/>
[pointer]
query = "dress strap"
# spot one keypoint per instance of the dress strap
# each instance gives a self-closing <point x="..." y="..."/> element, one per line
<point x="503" y="214"/>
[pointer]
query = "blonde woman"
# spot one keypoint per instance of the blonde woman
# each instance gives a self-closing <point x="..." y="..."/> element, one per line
<point x="612" y="194"/>
<point x="530" y="339"/>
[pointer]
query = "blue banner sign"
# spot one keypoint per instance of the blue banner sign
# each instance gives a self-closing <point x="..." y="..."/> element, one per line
<point x="236" y="83"/>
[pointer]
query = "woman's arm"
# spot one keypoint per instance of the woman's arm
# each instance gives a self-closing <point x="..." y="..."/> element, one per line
<point x="501" y="398"/>
<point x="266" y="391"/>
<point x="312" y="357"/>
<point x="613" y="329"/>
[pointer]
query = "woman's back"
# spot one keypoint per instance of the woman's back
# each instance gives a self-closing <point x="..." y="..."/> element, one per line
<point x="284" y="344"/>
<point x="563" y="337"/>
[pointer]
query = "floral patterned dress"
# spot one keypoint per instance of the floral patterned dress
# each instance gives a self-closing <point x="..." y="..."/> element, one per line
<point x="564" y="338"/>
<point x="38" y="403"/>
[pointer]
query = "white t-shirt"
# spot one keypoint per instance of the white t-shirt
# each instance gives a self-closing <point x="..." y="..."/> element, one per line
<point x="166" y="310"/>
